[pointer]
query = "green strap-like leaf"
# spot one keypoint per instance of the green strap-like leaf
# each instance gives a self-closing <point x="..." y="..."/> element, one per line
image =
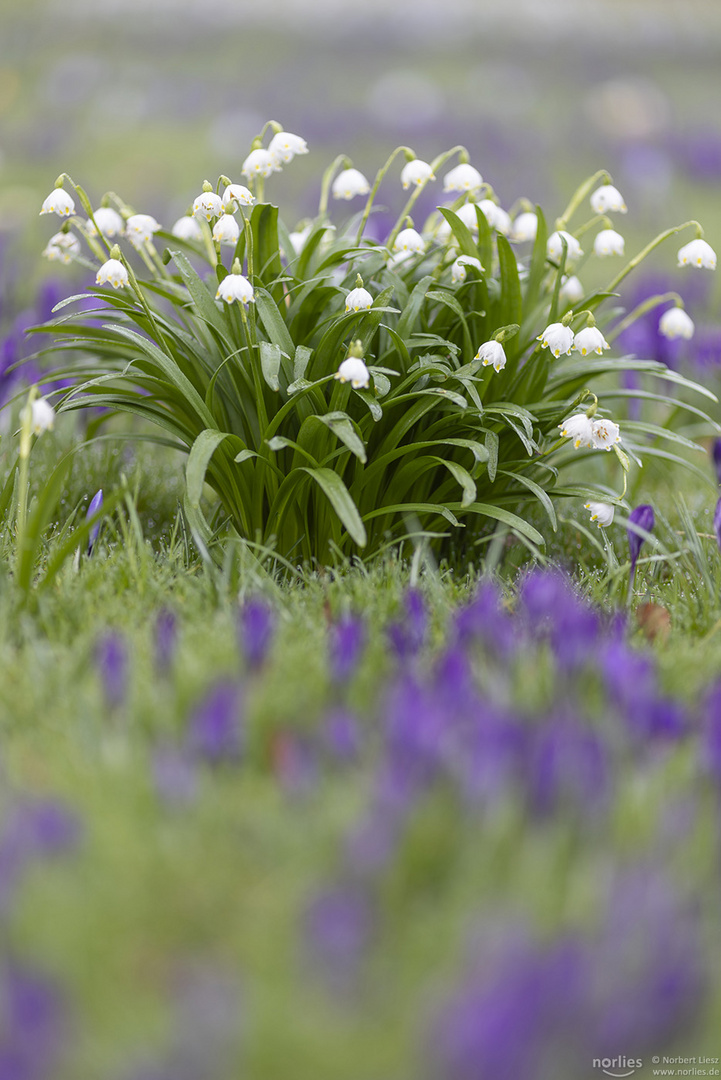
<point x="270" y="363"/>
<point x="340" y="499"/>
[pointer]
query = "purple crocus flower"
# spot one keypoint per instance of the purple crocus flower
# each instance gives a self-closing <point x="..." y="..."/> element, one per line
<point x="256" y="627"/>
<point x="408" y="634"/>
<point x="214" y="729"/>
<point x="341" y="735"/>
<point x="716" y="457"/>
<point x="485" y="620"/>
<point x="95" y="504"/>
<point x="338" y="929"/>
<point x="644" y="517"/>
<point x="347" y="639"/>
<point x="112" y="659"/>
<point x="165" y="639"/>
<point x="568" y="768"/>
<point x="33" y="1024"/>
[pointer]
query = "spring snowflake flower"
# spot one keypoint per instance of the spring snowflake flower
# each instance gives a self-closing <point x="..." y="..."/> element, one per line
<point x="608" y="242"/>
<point x="608" y="199"/>
<point x="354" y="371"/>
<point x="415" y="173"/>
<point x="399" y="258"/>
<point x="259" y="163"/>
<point x="579" y="428"/>
<point x="235" y="287"/>
<point x="58" y="202"/>
<point x="358" y="300"/>
<point x="226" y="230"/>
<point x="350" y="183"/>
<point x="43" y="416"/>
<point x="299" y="238"/>
<point x="139" y="229"/>
<point x="458" y="269"/>
<point x="409" y="240"/>
<point x="469" y="217"/>
<point x="558" y="338"/>
<point x="554" y="246"/>
<point x="284" y="146"/>
<point x="492" y="352"/>
<point x="63" y="247"/>
<point x="605" y="434"/>
<point x="108" y="222"/>
<point x="590" y="340"/>
<point x="113" y="273"/>
<point x="571" y="290"/>
<point x="463" y="178"/>
<point x="602" y="513"/>
<point x="676" y="323"/>
<point x="496" y="217"/>
<point x="525" y="227"/>
<point x="236" y="195"/>
<point x="187" y="228"/>
<point x="207" y="205"/>
<point x="697" y="253"/>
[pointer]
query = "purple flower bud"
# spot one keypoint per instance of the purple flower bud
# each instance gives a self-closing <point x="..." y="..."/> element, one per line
<point x="112" y="658"/>
<point x="341" y="735"/>
<point x="347" y="639"/>
<point x="408" y="634"/>
<point x="717" y="522"/>
<point x="214" y="731"/>
<point x="716" y="456"/>
<point x="33" y="1024"/>
<point x="643" y="516"/>
<point x="165" y="639"/>
<point x="95" y="504"/>
<point x="338" y="927"/>
<point x="255" y="628"/>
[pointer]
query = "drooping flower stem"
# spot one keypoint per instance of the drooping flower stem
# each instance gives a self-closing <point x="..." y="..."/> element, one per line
<point x="578" y="197"/>
<point x="646" y="251"/>
<point x="436" y="164"/>
<point x="647" y="305"/>
<point x="376" y="184"/>
<point x="328" y="175"/>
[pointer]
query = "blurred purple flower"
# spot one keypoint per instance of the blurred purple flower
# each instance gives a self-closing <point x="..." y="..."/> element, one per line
<point x="407" y="635"/>
<point x="644" y="517"/>
<point x="554" y="609"/>
<point x="568" y="769"/>
<point x="338" y="927"/>
<point x="33" y="1024"/>
<point x="630" y="677"/>
<point x="95" y="504"/>
<point x="710" y="749"/>
<point x="256" y="626"/>
<point x="717" y="522"/>
<point x="112" y="659"/>
<point x="175" y="775"/>
<point x="295" y="762"/>
<point x="347" y="640"/>
<point x="341" y="735"/>
<point x="716" y="458"/>
<point x="484" y="620"/>
<point x="214" y="728"/>
<point x="166" y="633"/>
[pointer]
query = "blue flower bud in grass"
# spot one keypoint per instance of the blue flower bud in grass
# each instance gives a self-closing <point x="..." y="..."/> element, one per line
<point x="112" y="659"/>
<point x="408" y="635"/>
<point x="256" y="625"/>
<point x="341" y="736"/>
<point x="347" y="641"/>
<point x="484" y="620"/>
<point x="95" y="503"/>
<point x="34" y="1024"/>
<point x="716" y="458"/>
<point x="165" y="639"/>
<point x="214" y="730"/>
<point x="644" y="517"/>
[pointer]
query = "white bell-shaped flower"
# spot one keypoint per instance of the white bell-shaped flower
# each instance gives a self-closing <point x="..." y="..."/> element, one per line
<point x="108" y="222"/>
<point x="63" y="247"/>
<point x="492" y="352"/>
<point x="524" y="227"/>
<point x="605" y="434"/>
<point x="697" y="253"/>
<point x="409" y="240"/>
<point x="237" y="195"/>
<point x="226" y="230"/>
<point x="496" y="217"/>
<point x="458" y="268"/>
<point x="354" y="371"/>
<point x="284" y="146"/>
<point x="608" y="242"/>
<point x="235" y="287"/>
<point x="554" y="246"/>
<point x="358" y="300"/>
<point x="398" y="258"/>
<point x="415" y="173"/>
<point x="579" y="428"/>
<point x="139" y="229"/>
<point x="601" y="512"/>
<point x="58" y="202"/>
<point x="187" y="228"/>
<point x="571" y="290"/>
<point x="299" y="238"/>
<point x="590" y="340"/>
<point x="207" y="205"/>
<point x="608" y="199"/>
<point x="42" y="416"/>
<point x="462" y="178"/>
<point x="350" y="183"/>
<point x="259" y="163"/>
<point x="112" y="272"/>
<point x="558" y="338"/>
<point x="676" y="323"/>
<point x="469" y="217"/>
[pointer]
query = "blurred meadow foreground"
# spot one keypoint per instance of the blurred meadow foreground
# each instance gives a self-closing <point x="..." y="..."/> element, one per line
<point x="360" y="591"/>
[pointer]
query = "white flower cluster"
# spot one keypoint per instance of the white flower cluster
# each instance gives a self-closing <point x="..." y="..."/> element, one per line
<point x="601" y="434"/>
<point x="560" y="339"/>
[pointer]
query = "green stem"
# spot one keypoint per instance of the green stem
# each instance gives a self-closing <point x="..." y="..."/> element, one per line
<point x="374" y="190"/>
<point x="579" y="195"/>
<point x="646" y="251"/>
<point x="328" y="175"/>
<point x="648" y="305"/>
